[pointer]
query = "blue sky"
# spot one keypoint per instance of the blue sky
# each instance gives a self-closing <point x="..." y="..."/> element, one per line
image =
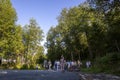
<point x="44" y="12"/>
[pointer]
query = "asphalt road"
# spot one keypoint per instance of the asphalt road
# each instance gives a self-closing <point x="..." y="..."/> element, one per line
<point x="37" y="75"/>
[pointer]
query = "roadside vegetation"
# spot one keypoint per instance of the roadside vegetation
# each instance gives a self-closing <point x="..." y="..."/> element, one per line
<point x="89" y="31"/>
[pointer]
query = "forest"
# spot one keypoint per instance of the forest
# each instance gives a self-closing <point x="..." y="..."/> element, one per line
<point x="89" y="31"/>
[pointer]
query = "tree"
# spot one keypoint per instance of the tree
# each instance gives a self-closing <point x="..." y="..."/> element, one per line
<point x="18" y="47"/>
<point x="110" y="9"/>
<point x="78" y="32"/>
<point x="7" y="27"/>
<point x="88" y="31"/>
<point x="32" y="36"/>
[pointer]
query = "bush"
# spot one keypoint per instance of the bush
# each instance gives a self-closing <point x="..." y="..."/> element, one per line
<point x="106" y="64"/>
<point x="18" y="66"/>
<point x="32" y="67"/>
<point x="25" y="66"/>
<point x="109" y="63"/>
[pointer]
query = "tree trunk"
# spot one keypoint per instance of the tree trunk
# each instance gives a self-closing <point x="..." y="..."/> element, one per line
<point x="79" y="56"/>
<point x="72" y="56"/>
<point x="89" y="46"/>
<point x="90" y="51"/>
<point x="116" y="44"/>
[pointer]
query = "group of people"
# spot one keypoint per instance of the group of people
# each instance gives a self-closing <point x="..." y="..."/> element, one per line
<point x="47" y="64"/>
<point x="62" y="64"/>
<point x="66" y="65"/>
<point x="88" y="64"/>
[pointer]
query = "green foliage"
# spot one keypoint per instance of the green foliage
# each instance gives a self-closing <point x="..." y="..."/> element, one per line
<point x="110" y="9"/>
<point x="18" y="43"/>
<point x="32" y="36"/>
<point x="25" y="66"/>
<point x="18" y="66"/>
<point x="106" y="64"/>
<point x="31" y="67"/>
<point x="78" y="30"/>
<point x="89" y="31"/>
<point x="7" y="27"/>
<point x="109" y="63"/>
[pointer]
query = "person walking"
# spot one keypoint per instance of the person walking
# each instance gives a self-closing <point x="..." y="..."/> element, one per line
<point x="88" y="64"/>
<point x="62" y="63"/>
<point x="58" y="65"/>
<point x="45" y="64"/>
<point x="49" y="64"/>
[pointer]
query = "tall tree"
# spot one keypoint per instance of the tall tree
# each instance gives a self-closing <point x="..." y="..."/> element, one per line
<point x="7" y="27"/>
<point x="79" y="30"/>
<point x="32" y="37"/>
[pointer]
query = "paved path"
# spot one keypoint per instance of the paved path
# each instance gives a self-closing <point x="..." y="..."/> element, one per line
<point x="37" y="75"/>
<point x="52" y="75"/>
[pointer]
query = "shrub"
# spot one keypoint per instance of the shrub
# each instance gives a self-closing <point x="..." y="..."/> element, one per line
<point x="32" y="67"/>
<point x="109" y="63"/>
<point x="25" y="66"/>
